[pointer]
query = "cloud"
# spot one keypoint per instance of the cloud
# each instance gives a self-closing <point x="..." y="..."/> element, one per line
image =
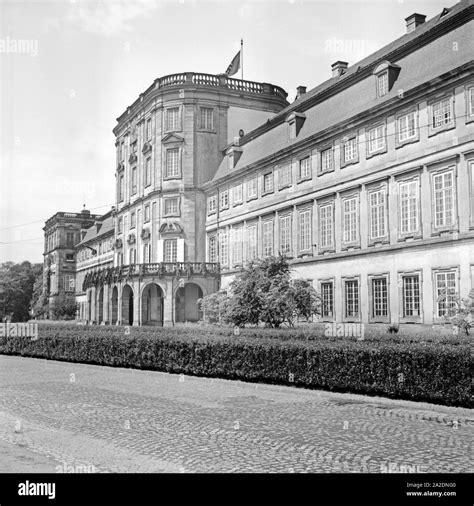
<point x="109" y="17"/>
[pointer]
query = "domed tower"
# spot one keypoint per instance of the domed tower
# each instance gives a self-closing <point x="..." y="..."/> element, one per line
<point x="170" y="142"/>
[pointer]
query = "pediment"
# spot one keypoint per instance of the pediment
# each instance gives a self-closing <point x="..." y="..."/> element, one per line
<point x="171" y="138"/>
<point x="171" y="228"/>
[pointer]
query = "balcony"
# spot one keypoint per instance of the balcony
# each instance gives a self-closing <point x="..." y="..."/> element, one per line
<point x="112" y="275"/>
<point x="200" y="80"/>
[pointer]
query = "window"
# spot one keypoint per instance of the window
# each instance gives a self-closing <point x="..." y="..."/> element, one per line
<point x="224" y="199"/>
<point x="252" y="188"/>
<point x="267" y="238"/>
<point x="237" y="246"/>
<point x="407" y="127"/>
<point x="379" y="297"/>
<point x="70" y="239"/>
<point x="212" y="204"/>
<point x="224" y="248"/>
<point x="471" y="176"/>
<point x="285" y="234"/>
<point x="382" y="84"/>
<point x="237" y="194"/>
<point x="443" y="198"/>
<point x="206" y="118"/>
<point x="122" y="152"/>
<point x="446" y="292"/>
<point x="171" y="206"/>
<point x="292" y="130"/>
<point x="69" y="257"/>
<point x="350" y="220"/>
<point x="268" y="183"/>
<point x="411" y="295"/>
<point x="376" y="139"/>
<point x="350" y="150"/>
<point x="351" y="295"/>
<point x="148" y="172"/>
<point x="171" y="250"/>
<point x="133" y="221"/>
<point x="172" y="119"/>
<point x="305" y="168"/>
<point x="146" y="253"/>
<point x="120" y="225"/>
<point x="69" y="283"/>
<point x="134" y="180"/>
<point x="212" y="249"/>
<point x="121" y="188"/>
<point x="326" y="226"/>
<point x="327" y="160"/>
<point x="377" y="204"/>
<point x="148" y="130"/>
<point x="304" y="230"/>
<point x="441" y="113"/>
<point x="147" y="212"/>
<point x="172" y="162"/>
<point x="132" y="256"/>
<point x="470" y="101"/>
<point x="327" y="299"/>
<point x="409" y="207"/>
<point x="284" y="176"/>
<point x="252" y="242"/>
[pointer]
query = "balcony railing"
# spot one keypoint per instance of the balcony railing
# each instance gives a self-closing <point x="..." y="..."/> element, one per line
<point x="110" y="275"/>
<point x="209" y="80"/>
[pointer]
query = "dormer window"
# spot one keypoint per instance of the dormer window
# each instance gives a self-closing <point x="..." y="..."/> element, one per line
<point x="233" y="156"/>
<point x="382" y="84"/>
<point x="295" y="121"/>
<point x="385" y="76"/>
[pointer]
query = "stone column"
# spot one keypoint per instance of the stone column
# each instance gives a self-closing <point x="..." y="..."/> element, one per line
<point x="107" y="303"/>
<point x="168" y="304"/>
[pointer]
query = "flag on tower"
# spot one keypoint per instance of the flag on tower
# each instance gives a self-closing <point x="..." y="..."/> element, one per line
<point x="237" y="62"/>
<point x="234" y="66"/>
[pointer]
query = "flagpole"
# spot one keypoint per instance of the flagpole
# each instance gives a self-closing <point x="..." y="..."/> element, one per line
<point x="242" y="58"/>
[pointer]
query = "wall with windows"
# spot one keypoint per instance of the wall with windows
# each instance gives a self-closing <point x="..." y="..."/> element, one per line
<point x="350" y="188"/>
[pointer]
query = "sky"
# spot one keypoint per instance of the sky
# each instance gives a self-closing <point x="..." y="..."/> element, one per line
<point x="69" y="68"/>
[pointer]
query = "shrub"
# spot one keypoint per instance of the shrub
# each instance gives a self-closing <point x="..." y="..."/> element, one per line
<point x="433" y="371"/>
<point x="263" y="293"/>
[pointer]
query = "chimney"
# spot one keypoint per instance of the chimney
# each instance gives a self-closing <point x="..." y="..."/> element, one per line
<point x="301" y="90"/>
<point x="414" y="21"/>
<point x="339" y="68"/>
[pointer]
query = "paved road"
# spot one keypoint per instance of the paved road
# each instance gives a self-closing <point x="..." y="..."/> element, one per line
<point x="60" y="416"/>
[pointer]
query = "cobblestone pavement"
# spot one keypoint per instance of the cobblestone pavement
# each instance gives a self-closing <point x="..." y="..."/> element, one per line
<point x="83" y="417"/>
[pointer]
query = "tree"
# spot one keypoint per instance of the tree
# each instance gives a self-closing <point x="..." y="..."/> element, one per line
<point x="64" y="309"/>
<point x="39" y="304"/>
<point x="461" y="313"/>
<point x="263" y="292"/>
<point x="215" y="307"/>
<point x="16" y="282"/>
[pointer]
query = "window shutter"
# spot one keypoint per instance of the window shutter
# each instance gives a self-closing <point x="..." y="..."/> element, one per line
<point x="160" y="250"/>
<point x="180" y="250"/>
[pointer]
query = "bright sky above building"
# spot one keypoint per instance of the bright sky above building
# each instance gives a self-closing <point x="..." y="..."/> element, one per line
<point x="69" y="68"/>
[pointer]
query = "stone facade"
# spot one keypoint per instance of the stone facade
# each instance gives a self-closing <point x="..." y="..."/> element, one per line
<point x="169" y="144"/>
<point x="365" y="183"/>
<point x="62" y="232"/>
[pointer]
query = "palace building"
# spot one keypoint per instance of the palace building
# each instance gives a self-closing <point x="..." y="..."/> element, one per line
<point x="365" y="182"/>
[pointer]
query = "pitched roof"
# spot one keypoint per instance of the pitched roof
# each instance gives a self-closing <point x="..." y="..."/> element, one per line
<point x="106" y="226"/>
<point x="422" y="64"/>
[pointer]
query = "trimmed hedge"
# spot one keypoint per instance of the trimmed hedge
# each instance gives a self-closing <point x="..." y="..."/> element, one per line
<point x="434" y="371"/>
